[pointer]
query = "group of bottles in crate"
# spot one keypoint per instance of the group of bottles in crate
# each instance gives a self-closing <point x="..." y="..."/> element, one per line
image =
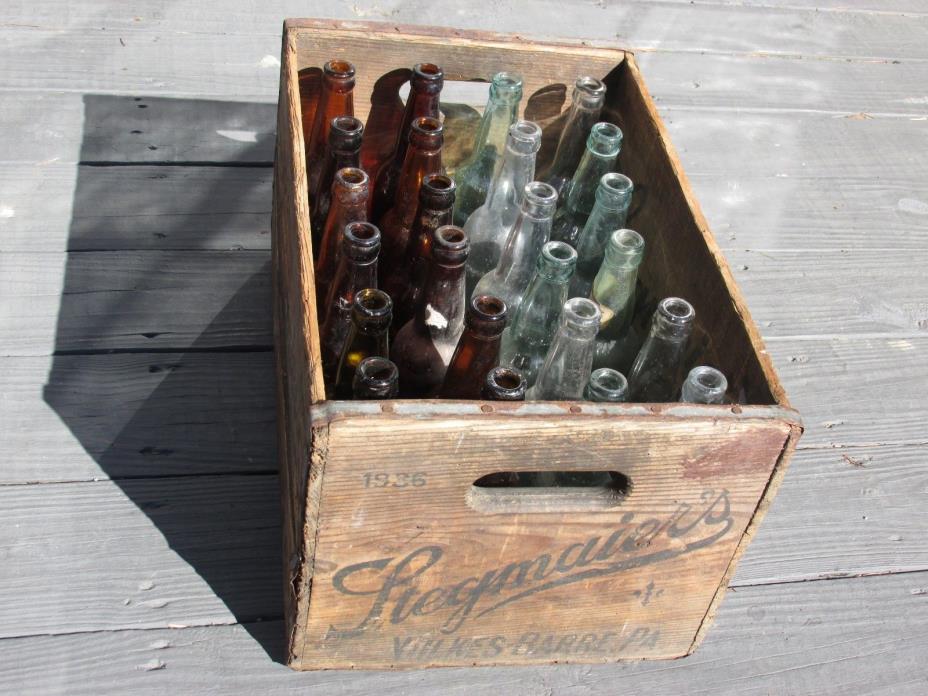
<point x="493" y="281"/>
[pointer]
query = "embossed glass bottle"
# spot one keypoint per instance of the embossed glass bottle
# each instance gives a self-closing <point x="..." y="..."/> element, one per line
<point x="606" y="384"/>
<point x="489" y="225"/>
<point x="526" y="341"/>
<point x="602" y="149"/>
<point x="367" y="336"/>
<point x="586" y="104"/>
<point x="423" y="156"/>
<point x="473" y="176"/>
<point x="704" y="385"/>
<point x="376" y="378"/>
<point x="357" y="270"/>
<point x="477" y="350"/>
<point x="350" y="192"/>
<point x="336" y="98"/>
<point x="614" y="292"/>
<point x="406" y="279"/>
<point x="424" y="345"/>
<point x="424" y="90"/>
<point x="566" y="369"/>
<point x="656" y="374"/>
<point x="613" y="196"/>
<point x="510" y="279"/>
<point x="342" y="151"/>
<point x="504" y="384"/>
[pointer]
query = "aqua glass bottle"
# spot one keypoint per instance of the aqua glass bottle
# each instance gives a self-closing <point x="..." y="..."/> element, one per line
<point x="488" y="226"/>
<point x="602" y="149"/>
<point x="614" y="292"/>
<point x="613" y="196"/>
<point x="657" y="373"/>
<point x="704" y="385"/>
<point x="606" y="385"/>
<point x="526" y="341"/>
<point x="473" y="176"/>
<point x="566" y="369"/>
<point x="587" y="100"/>
<point x="510" y="279"/>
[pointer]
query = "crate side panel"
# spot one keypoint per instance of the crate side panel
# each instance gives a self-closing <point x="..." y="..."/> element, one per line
<point x="682" y="258"/>
<point x="408" y="573"/>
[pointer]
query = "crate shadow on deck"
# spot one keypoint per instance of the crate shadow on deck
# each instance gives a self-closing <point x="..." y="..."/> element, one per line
<point x="186" y="428"/>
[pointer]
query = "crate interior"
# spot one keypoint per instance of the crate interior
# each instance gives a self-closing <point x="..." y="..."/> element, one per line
<point x="678" y="260"/>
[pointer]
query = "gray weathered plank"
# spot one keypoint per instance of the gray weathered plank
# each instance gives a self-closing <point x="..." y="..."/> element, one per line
<point x="84" y="417"/>
<point x="863" y="637"/>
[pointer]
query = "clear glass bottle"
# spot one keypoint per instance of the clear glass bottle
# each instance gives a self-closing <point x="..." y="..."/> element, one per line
<point x="587" y="100"/>
<point x="614" y="292"/>
<point x="510" y="279"/>
<point x="477" y="350"/>
<point x="473" y="176"/>
<point x="602" y="149"/>
<point x="613" y="196"/>
<point x="376" y="378"/>
<point x="350" y="191"/>
<point x="424" y="93"/>
<point x="526" y="341"/>
<point x="606" y="384"/>
<point x="566" y="369"/>
<point x="656" y="374"/>
<point x="357" y="269"/>
<point x="335" y="99"/>
<point x="343" y="150"/>
<point x="504" y="384"/>
<point x="423" y="347"/>
<point x="368" y="336"/>
<point x="406" y="279"/>
<point x="704" y="385"/>
<point x="423" y="156"/>
<point x="489" y="225"/>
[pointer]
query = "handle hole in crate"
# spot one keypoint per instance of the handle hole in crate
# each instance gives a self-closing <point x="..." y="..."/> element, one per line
<point x="549" y="491"/>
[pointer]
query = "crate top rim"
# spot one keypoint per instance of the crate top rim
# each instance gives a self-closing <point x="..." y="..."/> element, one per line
<point x="440" y="34"/>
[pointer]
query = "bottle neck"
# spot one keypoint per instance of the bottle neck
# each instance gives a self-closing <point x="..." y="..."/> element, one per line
<point x="571" y="145"/>
<point x="418" y="163"/>
<point x="527" y="230"/>
<point x="419" y="103"/>
<point x="517" y="170"/>
<point x="494" y="127"/>
<point x="581" y="196"/>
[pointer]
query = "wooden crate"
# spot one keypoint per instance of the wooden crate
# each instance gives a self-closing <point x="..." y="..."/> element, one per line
<point x="394" y="558"/>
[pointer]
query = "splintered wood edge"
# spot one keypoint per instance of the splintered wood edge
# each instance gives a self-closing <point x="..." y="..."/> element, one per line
<point x="737" y="299"/>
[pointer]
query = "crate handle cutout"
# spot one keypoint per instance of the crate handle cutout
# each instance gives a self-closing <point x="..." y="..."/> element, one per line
<point x="549" y="491"/>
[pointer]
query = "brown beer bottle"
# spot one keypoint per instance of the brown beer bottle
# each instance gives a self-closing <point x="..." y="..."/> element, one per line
<point x="376" y="378"/>
<point x="335" y="99"/>
<point x="504" y="384"/>
<point x="425" y="344"/>
<point x="368" y="336"/>
<point x="350" y="191"/>
<point x="424" y="90"/>
<point x="342" y="151"/>
<point x="477" y="350"/>
<point x="405" y="280"/>
<point x="422" y="157"/>
<point x="357" y="270"/>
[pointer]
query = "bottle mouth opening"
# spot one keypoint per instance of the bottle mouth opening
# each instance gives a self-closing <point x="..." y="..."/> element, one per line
<point x="525" y="130"/>
<point x="364" y="233"/>
<point x="373" y="302"/>
<point x="676" y="310"/>
<point x="507" y="81"/>
<point x="378" y="370"/>
<point x="429" y="71"/>
<point x="440" y="183"/>
<point x="352" y="176"/>
<point x="604" y="129"/>
<point x="489" y="308"/>
<point x="427" y="124"/>
<point x="617" y="184"/>
<point x="451" y="235"/>
<point x="506" y="378"/>
<point x="709" y="378"/>
<point x="347" y="125"/>
<point x="589" y="85"/>
<point x="339" y="68"/>
<point x="541" y="193"/>
<point x="582" y="310"/>
<point x="607" y="379"/>
<point x="559" y="251"/>
<point x="627" y="241"/>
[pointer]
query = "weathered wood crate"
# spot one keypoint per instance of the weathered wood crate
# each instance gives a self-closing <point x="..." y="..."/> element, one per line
<point x="394" y="558"/>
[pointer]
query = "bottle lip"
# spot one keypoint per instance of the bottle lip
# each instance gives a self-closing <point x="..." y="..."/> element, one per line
<point x="345" y="133"/>
<point x="352" y="178"/>
<point x="615" y="190"/>
<point x="581" y="312"/>
<point x="539" y="198"/>
<point x="605" y="139"/>
<point x="558" y="256"/>
<point x="626" y="244"/>
<point x="609" y="382"/>
<point x="506" y="86"/>
<point x="361" y="241"/>
<point x="339" y="69"/>
<point x="488" y="312"/>
<point x="427" y="77"/>
<point x="379" y="373"/>
<point x="589" y="91"/>
<point x="708" y="379"/>
<point x="676" y="311"/>
<point x="372" y="303"/>
<point x="450" y="245"/>
<point x="506" y="382"/>
<point x="526" y="136"/>
<point x="437" y="190"/>
<point x="426" y="132"/>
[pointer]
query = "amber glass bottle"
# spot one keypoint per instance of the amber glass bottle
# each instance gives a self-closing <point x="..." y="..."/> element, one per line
<point x="342" y="151"/>
<point x="350" y="191"/>
<point x="368" y="336"/>
<point x="357" y="270"/>
<point x="425" y="344"/>
<point x="477" y="350"/>
<point x="335" y="99"/>
<point x="424" y="90"/>
<point x="504" y="384"/>
<point x="406" y="279"/>
<point x="422" y="157"/>
<point x="376" y="378"/>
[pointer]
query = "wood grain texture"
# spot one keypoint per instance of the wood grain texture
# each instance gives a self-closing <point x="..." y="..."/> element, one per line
<point x="864" y="636"/>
